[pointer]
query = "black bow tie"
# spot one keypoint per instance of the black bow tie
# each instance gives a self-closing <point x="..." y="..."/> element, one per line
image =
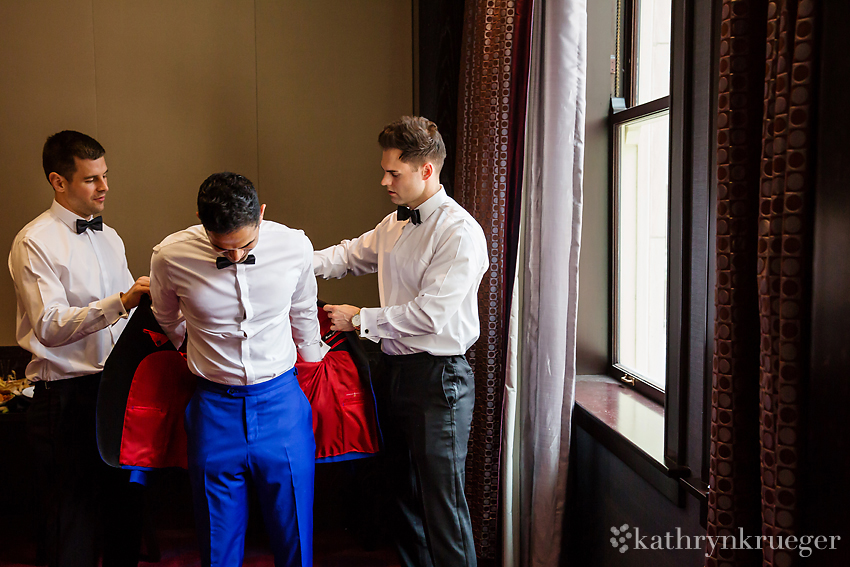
<point x="404" y="213"/>
<point x="95" y="224"/>
<point x="222" y="262"/>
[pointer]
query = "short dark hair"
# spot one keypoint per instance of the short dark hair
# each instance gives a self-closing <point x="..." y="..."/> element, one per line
<point x="227" y="202"/>
<point x="61" y="148"/>
<point x="417" y="138"/>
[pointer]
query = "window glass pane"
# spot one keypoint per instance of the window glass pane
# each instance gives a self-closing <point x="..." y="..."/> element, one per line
<point x="652" y="57"/>
<point x="641" y="233"/>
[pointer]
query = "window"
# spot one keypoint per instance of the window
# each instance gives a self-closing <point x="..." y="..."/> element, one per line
<point x="661" y="139"/>
<point x="659" y="217"/>
<point x="651" y="70"/>
<point x="641" y="267"/>
<point x="640" y="134"/>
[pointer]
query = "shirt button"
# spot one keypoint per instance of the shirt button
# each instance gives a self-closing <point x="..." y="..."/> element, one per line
<point x="365" y="331"/>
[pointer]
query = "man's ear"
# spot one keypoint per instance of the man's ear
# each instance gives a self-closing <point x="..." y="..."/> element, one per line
<point x="427" y="171"/>
<point x="262" y="210"/>
<point x="57" y="182"/>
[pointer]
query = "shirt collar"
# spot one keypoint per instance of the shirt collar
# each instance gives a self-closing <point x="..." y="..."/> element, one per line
<point x="66" y="216"/>
<point x="433" y="203"/>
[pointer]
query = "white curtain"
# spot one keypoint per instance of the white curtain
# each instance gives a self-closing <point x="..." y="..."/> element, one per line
<point x="540" y="387"/>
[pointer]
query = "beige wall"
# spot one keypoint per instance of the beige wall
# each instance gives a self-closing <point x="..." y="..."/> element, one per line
<point x="592" y="342"/>
<point x="291" y="94"/>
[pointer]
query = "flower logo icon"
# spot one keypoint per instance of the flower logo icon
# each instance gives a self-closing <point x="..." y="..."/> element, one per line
<point x="621" y="534"/>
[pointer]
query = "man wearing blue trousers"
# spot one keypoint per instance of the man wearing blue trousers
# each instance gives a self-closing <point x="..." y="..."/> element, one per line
<point x="242" y="292"/>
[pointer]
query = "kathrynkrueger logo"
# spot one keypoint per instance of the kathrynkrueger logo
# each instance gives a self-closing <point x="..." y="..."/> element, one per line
<point x="624" y="538"/>
<point x="621" y="534"/>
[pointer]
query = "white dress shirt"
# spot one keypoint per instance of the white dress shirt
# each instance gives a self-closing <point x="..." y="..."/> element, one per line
<point x="68" y="288"/>
<point x="428" y="277"/>
<point x="245" y="321"/>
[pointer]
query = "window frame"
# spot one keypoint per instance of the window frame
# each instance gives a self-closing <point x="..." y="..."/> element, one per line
<point x="616" y="119"/>
<point x="622" y="110"/>
<point x="693" y="115"/>
<point x="691" y="241"/>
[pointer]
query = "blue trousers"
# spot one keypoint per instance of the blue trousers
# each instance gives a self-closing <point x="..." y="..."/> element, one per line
<point x="262" y="434"/>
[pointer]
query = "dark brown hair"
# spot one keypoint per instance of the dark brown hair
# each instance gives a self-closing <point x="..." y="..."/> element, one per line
<point x="61" y="148"/>
<point x="417" y="138"/>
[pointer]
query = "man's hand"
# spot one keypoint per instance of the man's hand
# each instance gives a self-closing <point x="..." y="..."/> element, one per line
<point x="341" y="316"/>
<point x="131" y="298"/>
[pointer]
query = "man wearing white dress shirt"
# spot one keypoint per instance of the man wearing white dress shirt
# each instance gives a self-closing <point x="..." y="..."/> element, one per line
<point x="243" y="293"/>
<point x="74" y="293"/>
<point x="430" y="256"/>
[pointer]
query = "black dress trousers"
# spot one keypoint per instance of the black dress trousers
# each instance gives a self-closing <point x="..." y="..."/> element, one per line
<point x="425" y="408"/>
<point x="88" y="506"/>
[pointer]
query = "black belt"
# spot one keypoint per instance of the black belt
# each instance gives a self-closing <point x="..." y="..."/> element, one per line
<point x="69" y="384"/>
<point x="419" y="356"/>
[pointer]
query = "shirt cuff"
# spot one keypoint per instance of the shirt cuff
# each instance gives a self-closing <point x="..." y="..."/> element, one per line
<point x="113" y="308"/>
<point x="319" y="265"/>
<point x="311" y="353"/>
<point x="369" y="324"/>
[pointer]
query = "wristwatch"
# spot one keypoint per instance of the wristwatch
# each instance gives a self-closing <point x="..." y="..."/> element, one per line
<point x="355" y="322"/>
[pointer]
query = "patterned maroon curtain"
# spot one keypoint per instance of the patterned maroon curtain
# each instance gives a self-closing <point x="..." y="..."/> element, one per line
<point x="762" y="295"/>
<point x="491" y="126"/>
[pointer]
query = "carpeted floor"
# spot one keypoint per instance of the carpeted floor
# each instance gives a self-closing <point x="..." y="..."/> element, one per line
<point x="338" y="549"/>
<point x="349" y="530"/>
<point x="350" y="526"/>
<point x="178" y="549"/>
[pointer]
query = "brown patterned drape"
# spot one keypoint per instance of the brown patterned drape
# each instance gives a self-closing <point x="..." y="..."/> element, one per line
<point x="762" y="296"/>
<point x="491" y="124"/>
